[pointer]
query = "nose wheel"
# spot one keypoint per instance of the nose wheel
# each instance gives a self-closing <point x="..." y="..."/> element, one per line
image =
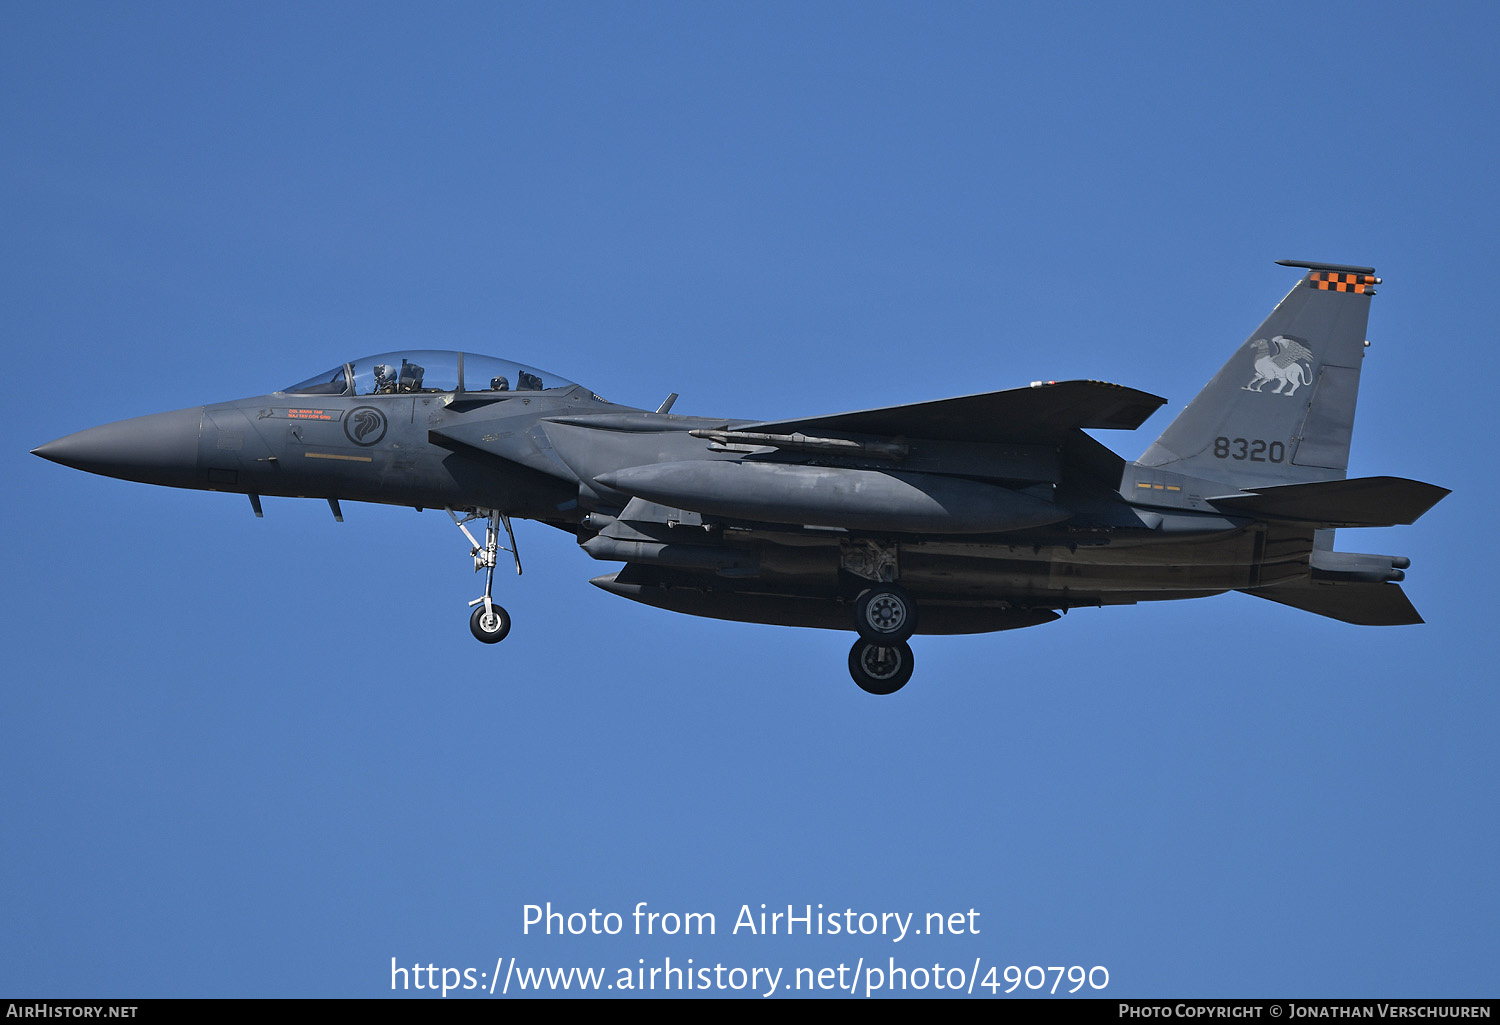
<point x="488" y="622"/>
<point x="881" y="667"/>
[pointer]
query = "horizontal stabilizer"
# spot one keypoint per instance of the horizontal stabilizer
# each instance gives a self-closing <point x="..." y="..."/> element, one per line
<point x="1361" y="604"/>
<point x="1040" y="413"/>
<point x="1356" y="502"/>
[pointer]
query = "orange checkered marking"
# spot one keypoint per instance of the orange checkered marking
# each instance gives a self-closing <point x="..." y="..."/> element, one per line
<point x="1334" y="281"/>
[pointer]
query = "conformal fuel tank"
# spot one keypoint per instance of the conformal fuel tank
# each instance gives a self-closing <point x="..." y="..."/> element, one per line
<point x="828" y="496"/>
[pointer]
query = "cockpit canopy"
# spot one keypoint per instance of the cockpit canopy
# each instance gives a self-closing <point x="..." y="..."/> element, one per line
<point x="428" y="371"/>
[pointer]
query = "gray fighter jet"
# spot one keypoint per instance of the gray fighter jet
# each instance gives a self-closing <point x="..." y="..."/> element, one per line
<point x="964" y="515"/>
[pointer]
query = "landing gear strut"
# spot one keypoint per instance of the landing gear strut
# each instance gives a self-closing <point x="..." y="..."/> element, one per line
<point x="881" y="667"/>
<point x="489" y="622"/>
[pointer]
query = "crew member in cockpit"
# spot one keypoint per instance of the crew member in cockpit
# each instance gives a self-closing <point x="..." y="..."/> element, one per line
<point x="499" y="384"/>
<point x="385" y="379"/>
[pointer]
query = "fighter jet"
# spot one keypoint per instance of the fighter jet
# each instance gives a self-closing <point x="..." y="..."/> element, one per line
<point x="965" y="515"/>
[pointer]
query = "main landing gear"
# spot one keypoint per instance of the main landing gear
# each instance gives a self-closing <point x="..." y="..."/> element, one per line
<point x="881" y="667"/>
<point x="885" y="613"/>
<point x="489" y="622"/>
<point x="881" y="661"/>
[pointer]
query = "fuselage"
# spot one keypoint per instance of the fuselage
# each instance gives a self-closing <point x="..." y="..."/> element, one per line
<point x="986" y="535"/>
<point x="989" y="511"/>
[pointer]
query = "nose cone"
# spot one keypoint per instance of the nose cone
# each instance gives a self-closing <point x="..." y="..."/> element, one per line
<point x="158" y="449"/>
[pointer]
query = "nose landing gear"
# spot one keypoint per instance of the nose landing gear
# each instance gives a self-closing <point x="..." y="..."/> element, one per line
<point x="489" y="622"/>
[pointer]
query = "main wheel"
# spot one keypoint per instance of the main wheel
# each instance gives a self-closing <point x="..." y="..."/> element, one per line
<point x="885" y="613"/>
<point x="881" y="668"/>
<point x="489" y="627"/>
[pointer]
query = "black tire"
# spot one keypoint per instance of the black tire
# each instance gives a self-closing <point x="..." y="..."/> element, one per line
<point x="491" y="629"/>
<point x="885" y="614"/>
<point x="881" y="668"/>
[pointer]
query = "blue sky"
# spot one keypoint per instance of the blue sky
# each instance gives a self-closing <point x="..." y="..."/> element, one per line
<point x="263" y="757"/>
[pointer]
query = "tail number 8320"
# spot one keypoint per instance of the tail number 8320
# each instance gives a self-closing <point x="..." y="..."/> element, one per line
<point x="1254" y="449"/>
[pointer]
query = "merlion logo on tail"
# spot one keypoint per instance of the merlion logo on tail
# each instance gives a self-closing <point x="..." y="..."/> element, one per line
<point x="1284" y="365"/>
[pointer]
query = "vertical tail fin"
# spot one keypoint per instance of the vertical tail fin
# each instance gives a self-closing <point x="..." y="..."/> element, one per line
<point x="1281" y="411"/>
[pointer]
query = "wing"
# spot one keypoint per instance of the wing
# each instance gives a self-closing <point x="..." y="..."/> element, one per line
<point x="1041" y="413"/>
